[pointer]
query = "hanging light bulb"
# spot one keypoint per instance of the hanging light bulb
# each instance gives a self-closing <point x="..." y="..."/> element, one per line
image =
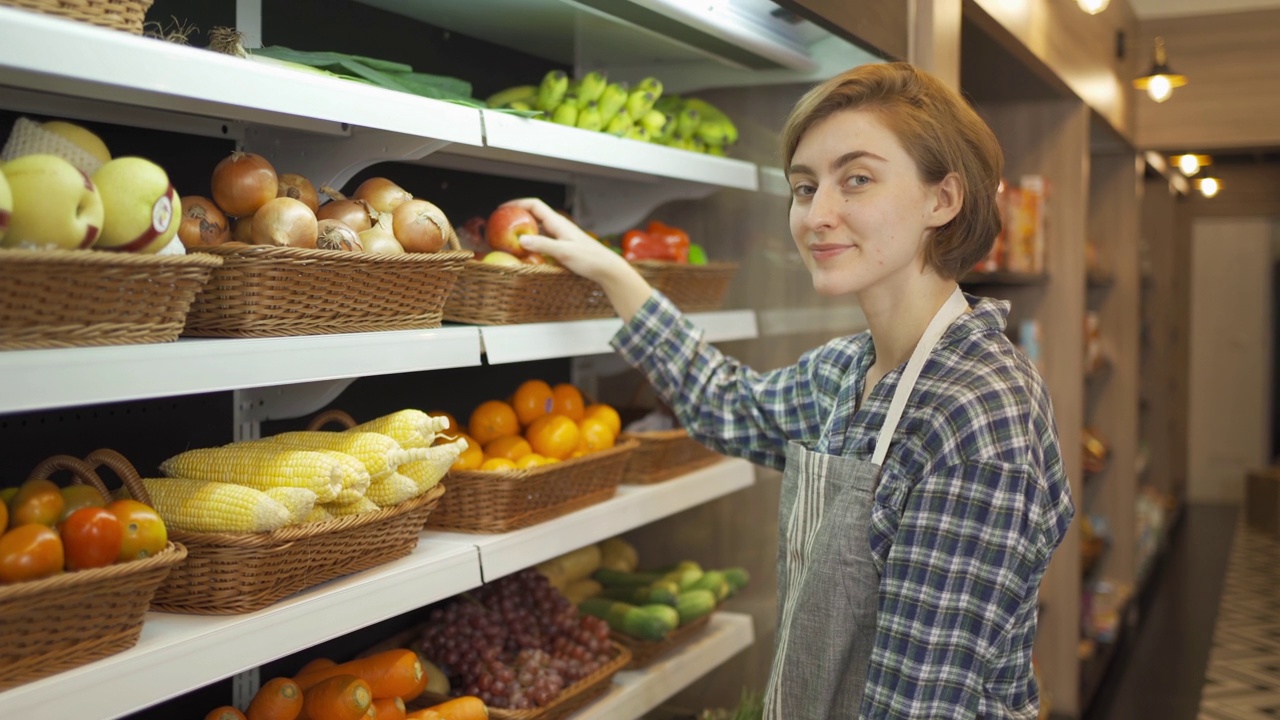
<point x="1160" y="80"/>
<point x="1190" y="164"/>
<point x="1208" y="186"/>
<point x="1093" y="7"/>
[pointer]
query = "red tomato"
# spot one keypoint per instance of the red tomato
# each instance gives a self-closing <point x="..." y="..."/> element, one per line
<point x="144" y="531"/>
<point x="92" y="538"/>
<point x="29" y="552"/>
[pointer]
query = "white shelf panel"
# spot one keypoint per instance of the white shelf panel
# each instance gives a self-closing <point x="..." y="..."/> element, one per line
<point x="636" y="692"/>
<point x="543" y="341"/>
<point x="51" y="55"/>
<point x="46" y="379"/>
<point x="177" y="653"/>
<point x="633" y="506"/>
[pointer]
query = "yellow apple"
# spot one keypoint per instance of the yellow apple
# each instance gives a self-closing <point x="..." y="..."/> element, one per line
<point x="142" y="210"/>
<point x="80" y="137"/>
<point x="498" y="257"/>
<point x="6" y="206"/>
<point x="54" y="204"/>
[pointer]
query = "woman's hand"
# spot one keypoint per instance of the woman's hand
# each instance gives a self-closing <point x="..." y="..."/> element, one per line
<point x="567" y="244"/>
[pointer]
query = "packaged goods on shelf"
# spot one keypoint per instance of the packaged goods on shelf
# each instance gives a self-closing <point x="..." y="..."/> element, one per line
<point x="1024" y="222"/>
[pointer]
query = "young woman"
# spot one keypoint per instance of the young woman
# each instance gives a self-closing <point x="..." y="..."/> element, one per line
<point x="923" y="491"/>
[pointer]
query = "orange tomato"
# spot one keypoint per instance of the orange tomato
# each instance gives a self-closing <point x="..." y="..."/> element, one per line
<point x="38" y="501"/>
<point x="553" y="436"/>
<point x="531" y="400"/>
<point x="531" y="460"/>
<point x="75" y="497"/>
<point x="511" y="447"/>
<point x="91" y="538"/>
<point x="567" y="400"/>
<point x="497" y="465"/>
<point x="470" y="458"/>
<point x="606" y="413"/>
<point x="452" y="431"/>
<point x="491" y="420"/>
<point x="30" y="552"/>
<point x="596" y="434"/>
<point x="144" y="532"/>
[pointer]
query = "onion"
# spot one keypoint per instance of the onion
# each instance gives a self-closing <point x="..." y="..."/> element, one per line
<point x="382" y="194"/>
<point x="285" y="222"/>
<point x="355" y="214"/>
<point x="202" y="223"/>
<point x="243" y="182"/>
<point x="420" y="226"/>
<point x="333" y="235"/>
<point x="242" y="230"/>
<point x="380" y="239"/>
<point x="297" y="187"/>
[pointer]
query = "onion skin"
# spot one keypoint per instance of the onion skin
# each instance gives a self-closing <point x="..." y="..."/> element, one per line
<point x="420" y="226"/>
<point x="355" y="214"/>
<point x="380" y="239"/>
<point x="334" y="235"/>
<point x="297" y="187"/>
<point x="203" y="224"/>
<point x="242" y="230"/>
<point x="243" y="182"/>
<point x="382" y="194"/>
<point x="285" y="222"/>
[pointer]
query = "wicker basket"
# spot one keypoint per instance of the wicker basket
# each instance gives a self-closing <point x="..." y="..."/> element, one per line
<point x="74" y="298"/>
<point x="488" y="294"/>
<point x="227" y="573"/>
<point x="126" y="15"/>
<point x="502" y="501"/>
<point x="266" y="291"/>
<point x="693" y="288"/>
<point x="645" y="652"/>
<point x="61" y="622"/>
<point x="664" y="454"/>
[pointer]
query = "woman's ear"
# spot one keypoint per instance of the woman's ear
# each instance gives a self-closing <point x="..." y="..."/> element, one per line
<point x="947" y="198"/>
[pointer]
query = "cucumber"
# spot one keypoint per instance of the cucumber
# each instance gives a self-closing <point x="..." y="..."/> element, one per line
<point x="668" y="615"/>
<point x="660" y="592"/>
<point x="713" y="580"/>
<point x="737" y="577"/>
<point x="614" y="578"/>
<point x="685" y="574"/>
<point x="651" y="623"/>
<point x="694" y="604"/>
<point x="612" y="612"/>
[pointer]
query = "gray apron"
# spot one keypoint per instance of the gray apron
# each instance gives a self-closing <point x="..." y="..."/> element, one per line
<point x="828" y="585"/>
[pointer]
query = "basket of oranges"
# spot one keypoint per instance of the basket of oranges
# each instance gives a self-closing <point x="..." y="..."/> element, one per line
<point x="539" y="455"/>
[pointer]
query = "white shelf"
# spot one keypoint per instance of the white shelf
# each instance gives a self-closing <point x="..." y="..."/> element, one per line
<point x="543" y="341"/>
<point x="633" y="506"/>
<point x="46" y="379"/>
<point x="636" y="692"/>
<point x="177" y="653"/>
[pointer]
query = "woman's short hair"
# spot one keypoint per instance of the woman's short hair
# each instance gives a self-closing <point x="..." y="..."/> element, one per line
<point x="939" y="130"/>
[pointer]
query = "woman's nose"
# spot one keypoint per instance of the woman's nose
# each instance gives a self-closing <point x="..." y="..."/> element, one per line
<point x="824" y="209"/>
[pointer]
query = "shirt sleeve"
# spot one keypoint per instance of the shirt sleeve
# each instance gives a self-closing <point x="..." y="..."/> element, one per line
<point x="720" y="402"/>
<point x="956" y="580"/>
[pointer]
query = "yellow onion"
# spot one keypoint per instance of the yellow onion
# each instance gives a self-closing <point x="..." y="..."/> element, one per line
<point x="285" y="222"/>
<point x="202" y="223"/>
<point x="380" y="238"/>
<point x="243" y="182"/>
<point x="355" y="214"/>
<point x="295" y="186"/>
<point x="382" y="194"/>
<point x="334" y="235"/>
<point x="420" y="226"/>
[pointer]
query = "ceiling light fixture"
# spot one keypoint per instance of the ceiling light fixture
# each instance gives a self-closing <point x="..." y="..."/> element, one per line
<point x="1191" y="164"/>
<point x="1208" y="186"/>
<point x="1093" y="7"/>
<point x="1160" y="80"/>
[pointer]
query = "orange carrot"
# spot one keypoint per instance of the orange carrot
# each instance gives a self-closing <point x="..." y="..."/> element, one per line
<point x="390" y="708"/>
<point x="341" y="697"/>
<point x="392" y="673"/>
<point x="424" y="714"/>
<point x="226" y="712"/>
<point x="467" y="707"/>
<point x="316" y="664"/>
<point x="278" y="699"/>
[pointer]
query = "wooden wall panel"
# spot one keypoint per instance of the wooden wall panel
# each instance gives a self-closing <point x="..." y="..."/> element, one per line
<point x="879" y="25"/>
<point x="1233" y="97"/>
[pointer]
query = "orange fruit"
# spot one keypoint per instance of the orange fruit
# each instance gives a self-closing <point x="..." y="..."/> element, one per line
<point x="30" y="552"/>
<point x="511" y="447"/>
<point x="567" y="400"/>
<point x="491" y="420"/>
<point x="471" y="458"/>
<point x="38" y="501"/>
<point x="144" y="532"/>
<point x="498" y="464"/>
<point x="606" y="413"/>
<point x="596" y="434"/>
<point x="531" y="400"/>
<point x="531" y="460"/>
<point x="553" y="436"/>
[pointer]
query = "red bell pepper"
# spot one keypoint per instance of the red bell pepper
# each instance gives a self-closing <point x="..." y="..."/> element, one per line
<point x="640" y="245"/>
<point x="677" y="240"/>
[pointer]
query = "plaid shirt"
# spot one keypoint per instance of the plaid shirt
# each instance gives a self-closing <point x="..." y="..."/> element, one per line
<point x="972" y="500"/>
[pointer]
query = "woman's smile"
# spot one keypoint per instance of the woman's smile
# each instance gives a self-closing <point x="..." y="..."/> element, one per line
<point x="822" y="252"/>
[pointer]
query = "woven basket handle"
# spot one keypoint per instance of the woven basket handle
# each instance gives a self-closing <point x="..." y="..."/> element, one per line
<point x="451" y="241"/>
<point x="82" y="473"/>
<point x="123" y="470"/>
<point x="339" y="416"/>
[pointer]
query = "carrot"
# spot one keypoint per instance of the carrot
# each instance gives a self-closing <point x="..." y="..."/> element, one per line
<point x="316" y="664"/>
<point x="341" y="697"/>
<point x="424" y="714"/>
<point x="390" y="708"/>
<point x="392" y="673"/>
<point x="278" y="699"/>
<point x="467" y="707"/>
<point x="226" y="712"/>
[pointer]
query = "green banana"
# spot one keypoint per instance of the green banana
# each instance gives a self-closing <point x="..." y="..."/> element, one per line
<point x="589" y="116"/>
<point x="716" y="150"/>
<point x="519" y="105"/>
<point x="551" y="90"/>
<point x="713" y="132"/>
<point x="653" y="121"/>
<point x="687" y="123"/>
<point x="671" y="104"/>
<point x="611" y="101"/>
<point x="639" y="102"/>
<point x="698" y="145"/>
<point x="712" y="114"/>
<point x="592" y="85"/>
<point x="639" y="132"/>
<point x="565" y="114"/>
<point x="668" y="129"/>
<point x="518" y="93"/>
<point x="651" y="84"/>
<point x="620" y="124"/>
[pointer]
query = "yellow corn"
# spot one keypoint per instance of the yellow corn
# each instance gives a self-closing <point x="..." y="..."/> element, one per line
<point x="411" y="428"/>
<point x="428" y="471"/>
<point x="262" y="466"/>
<point x="298" y="501"/>
<point x="392" y="489"/>
<point x="363" y="505"/>
<point x="215" y="507"/>
<point x="318" y="513"/>
<point x="377" y="452"/>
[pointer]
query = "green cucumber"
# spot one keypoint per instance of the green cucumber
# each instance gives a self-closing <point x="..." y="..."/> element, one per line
<point x="666" y="614"/>
<point x="737" y="577"/>
<point x="659" y="592"/>
<point x="713" y="580"/>
<point x="694" y="604"/>
<point x="645" y="623"/>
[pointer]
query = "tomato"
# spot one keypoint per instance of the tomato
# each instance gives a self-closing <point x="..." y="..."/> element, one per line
<point x="144" y="532"/>
<point x="38" y="501"/>
<point x="92" y="538"/>
<point x="30" y="552"/>
<point x="75" y="497"/>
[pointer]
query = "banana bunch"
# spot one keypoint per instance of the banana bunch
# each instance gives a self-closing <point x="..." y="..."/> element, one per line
<point x="695" y="124"/>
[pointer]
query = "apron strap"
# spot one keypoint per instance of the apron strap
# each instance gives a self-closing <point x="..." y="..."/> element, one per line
<point x="954" y="307"/>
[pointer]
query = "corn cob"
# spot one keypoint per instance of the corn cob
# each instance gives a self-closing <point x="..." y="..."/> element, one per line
<point x="392" y="489"/>
<point x="318" y="513"/>
<point x="378" y="453"/>
<point x="411" y="428"/>
<point x="260" y="466"/>
<point x="214" y="507"/>
<point x="428" y="471"/>
<point x="298" y="501"/>
<point x="363" y="505"/>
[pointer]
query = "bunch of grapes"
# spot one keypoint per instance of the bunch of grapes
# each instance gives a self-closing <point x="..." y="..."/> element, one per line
<point x="516" y="643"/>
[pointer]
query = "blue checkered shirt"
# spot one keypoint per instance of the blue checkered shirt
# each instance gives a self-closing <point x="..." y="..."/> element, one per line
<point x="972" y="501"/>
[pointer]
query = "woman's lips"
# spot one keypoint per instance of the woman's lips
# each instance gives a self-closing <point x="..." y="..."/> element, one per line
<point x="826" y="252"/>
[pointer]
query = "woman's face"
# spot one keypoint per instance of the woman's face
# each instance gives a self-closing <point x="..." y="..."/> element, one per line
<point x="860" y="214"/>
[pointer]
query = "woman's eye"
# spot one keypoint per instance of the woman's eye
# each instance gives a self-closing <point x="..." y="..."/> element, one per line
<point x="858" y="180"/>
<point x="802" y="190"/>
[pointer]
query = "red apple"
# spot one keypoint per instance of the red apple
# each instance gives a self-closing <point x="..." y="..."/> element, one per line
<point x="505" y="227"/>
